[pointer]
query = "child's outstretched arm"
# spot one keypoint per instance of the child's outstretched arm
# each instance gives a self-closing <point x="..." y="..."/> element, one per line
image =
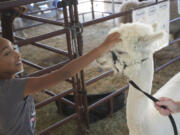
<point x="35" y="84"/>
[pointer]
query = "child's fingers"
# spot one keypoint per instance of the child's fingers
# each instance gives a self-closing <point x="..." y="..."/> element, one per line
<point x="114" y="36"/>
<point x="112" y="39"/>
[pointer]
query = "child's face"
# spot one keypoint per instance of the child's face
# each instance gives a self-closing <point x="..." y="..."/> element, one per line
<point x="10" y="59"/>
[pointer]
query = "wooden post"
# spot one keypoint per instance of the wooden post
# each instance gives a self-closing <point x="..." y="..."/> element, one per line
<point x="7" y="24"/>
<point x="7" y="18"/>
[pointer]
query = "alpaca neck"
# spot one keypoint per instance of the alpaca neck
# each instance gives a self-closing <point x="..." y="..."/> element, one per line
<point x="143" y="77"/>
<point x="137" y="103"/>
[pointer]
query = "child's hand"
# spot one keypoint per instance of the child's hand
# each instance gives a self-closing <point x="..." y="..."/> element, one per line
<point x="171" y="105"/>
<point x="112" y="39"/>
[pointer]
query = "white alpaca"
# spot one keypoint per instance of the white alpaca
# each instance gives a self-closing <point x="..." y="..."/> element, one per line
<point x="133" y="56"/>
<point x="174" y="27"/>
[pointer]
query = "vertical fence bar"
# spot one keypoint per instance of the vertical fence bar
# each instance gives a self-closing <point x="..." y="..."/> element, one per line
<point x="92" y="9"/>
<point x="80" y="48"/>
<point x="113" y="11"/>
<point x="69" y="24"/>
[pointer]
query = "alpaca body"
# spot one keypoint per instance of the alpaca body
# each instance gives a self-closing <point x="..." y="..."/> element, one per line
<point x="133" y="57"/>
<point x="145" y="119"/>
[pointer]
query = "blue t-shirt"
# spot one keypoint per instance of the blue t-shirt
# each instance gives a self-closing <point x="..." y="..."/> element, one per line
<point x="17" y="114"/>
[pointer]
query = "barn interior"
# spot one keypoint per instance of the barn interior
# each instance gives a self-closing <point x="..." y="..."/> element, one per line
<point x="51" y="33"/>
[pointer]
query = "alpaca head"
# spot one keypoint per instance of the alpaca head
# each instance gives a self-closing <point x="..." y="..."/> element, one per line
<point x="129" y="5"/>
<point x="138" y="43"/>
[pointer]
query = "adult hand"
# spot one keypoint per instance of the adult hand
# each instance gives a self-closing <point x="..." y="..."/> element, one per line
<point x="171" y="105"/>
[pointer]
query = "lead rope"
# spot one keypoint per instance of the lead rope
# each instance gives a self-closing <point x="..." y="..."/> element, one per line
<point x="155" y="100"/>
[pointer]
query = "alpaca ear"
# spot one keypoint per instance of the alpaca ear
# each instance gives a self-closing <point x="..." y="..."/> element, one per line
<point x="150" y="41"/>
<point x="153" y="37"/>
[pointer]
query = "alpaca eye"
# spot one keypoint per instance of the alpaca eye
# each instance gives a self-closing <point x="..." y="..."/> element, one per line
<point x="114" y="57"/>
<point x="141" y="39"/>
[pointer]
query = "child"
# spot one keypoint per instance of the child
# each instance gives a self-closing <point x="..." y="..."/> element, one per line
<point x="172" y="106"/>
<point x="17" y="113"/>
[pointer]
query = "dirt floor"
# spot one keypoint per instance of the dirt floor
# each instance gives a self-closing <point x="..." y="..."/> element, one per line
<point x="92" y="37"/>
